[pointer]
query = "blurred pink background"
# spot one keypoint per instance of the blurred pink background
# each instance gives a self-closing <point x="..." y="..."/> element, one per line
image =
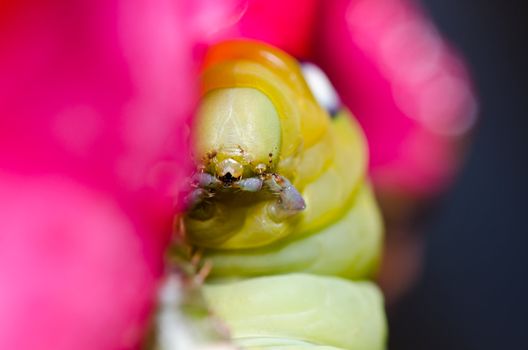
<point x="94" y="100"/>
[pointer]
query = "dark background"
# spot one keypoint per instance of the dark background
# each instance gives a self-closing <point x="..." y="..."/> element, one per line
<point x="474" y="290"/>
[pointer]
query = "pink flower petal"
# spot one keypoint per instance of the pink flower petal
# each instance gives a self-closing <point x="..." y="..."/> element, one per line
<point x="406" y="86"/>
<point x="94" y="100"/>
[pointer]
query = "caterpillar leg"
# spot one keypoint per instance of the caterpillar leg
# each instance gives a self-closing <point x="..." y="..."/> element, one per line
<point x="202" y="184"/>
<point x="250" y="184"/>
<point x="290" y="201"/>
<point x="195" y="197"/>
<point x="205" y="180"/>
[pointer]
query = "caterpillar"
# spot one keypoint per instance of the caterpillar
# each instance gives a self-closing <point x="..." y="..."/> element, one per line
<point x="281" y="208"/>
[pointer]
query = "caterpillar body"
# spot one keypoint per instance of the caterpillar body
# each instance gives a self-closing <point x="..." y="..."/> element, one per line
<point x="281" y="207"/>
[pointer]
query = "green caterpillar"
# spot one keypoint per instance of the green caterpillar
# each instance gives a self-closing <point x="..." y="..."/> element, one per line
<point x="281" y="208"/>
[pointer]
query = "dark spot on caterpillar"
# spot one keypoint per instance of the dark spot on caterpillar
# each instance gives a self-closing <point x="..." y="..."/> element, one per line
<point x="333" y="112"/>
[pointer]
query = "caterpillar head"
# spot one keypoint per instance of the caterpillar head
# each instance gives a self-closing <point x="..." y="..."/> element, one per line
<point x="237" y="134"/>
<point x="255" y="120"/>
